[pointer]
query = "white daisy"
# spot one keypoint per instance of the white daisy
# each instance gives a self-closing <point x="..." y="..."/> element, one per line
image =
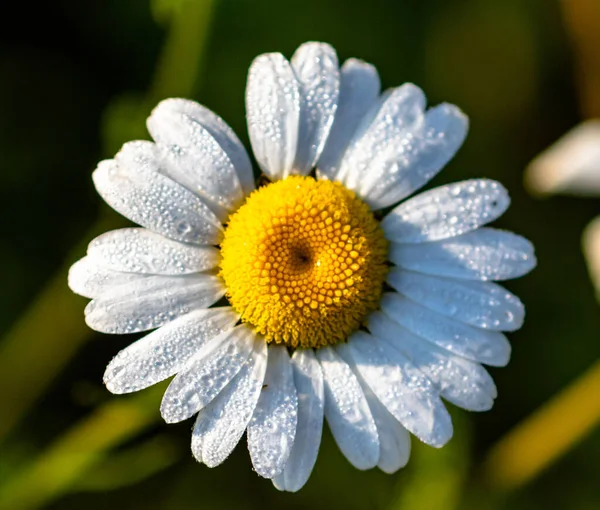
<point x="332" y="313"/>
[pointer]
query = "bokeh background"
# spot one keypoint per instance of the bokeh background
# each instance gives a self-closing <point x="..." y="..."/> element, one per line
<point x="79" y="78"/>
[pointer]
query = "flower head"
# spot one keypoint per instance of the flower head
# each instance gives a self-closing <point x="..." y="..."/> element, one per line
<point x="333" y="312"/>
<point x="304" y="262"/>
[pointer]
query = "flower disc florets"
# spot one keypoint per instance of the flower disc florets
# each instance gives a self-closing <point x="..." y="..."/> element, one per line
<point x="304" y="262"/>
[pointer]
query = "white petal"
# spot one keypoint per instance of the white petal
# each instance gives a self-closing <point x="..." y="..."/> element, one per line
<point x="272" y="428"/>
<point x="359" y="89"/>
<point x="481" y="304"/>
<point x="132" y="185"/>
<point x="206" y="374"/>
<point x="407" y="161"/>
<point x="90" y="279"/>
<point x="394" y="451"/>
<point x="316" y="68"/>
<point x="151" y="301"/>
<point x="485" y="254"/>
<point x="222" y="133"/>
<point x="193" y="157"/>
<point x="402" y="388"/>
<point x="138" y="250"/>
<point x="447" y="211"/>
<point x="273" y="114"/>
<point x="460" y="381"/>
<point x="489" y="347"/>
<point x="347" y="412"/>
<point x="397" y="111"/>
<point x="164" y="352"/>
<point x="308" y="380"/>
<point x="591" y="249"/>
<point x="221" y="424"/>
<point x="394" y="439"/>
<point x="571" y="165"/>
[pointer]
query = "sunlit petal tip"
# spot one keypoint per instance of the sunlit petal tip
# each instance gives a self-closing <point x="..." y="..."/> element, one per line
<point x="358" y="92"/>
<point x="141" y="251"/>
<point x="165" y="352"/>
<point x="394" y="439"/>
<point x="206" y="373"/>
<point x="409" y="396"/>
<point x="483" y="346"/>
<point x="220" y="425"/>
<point x="482" y="304"/>
<point x="446" y="211"/>
<point x="316" y="68"/>
<point x="308" y="379"/>
<point x="347" y="412"/>
<point x="272" y="429"/>
<point x="273" y="113"/>
<point x="482" y="254"/>
<point x="133" y="185"/>
<point x="460" y="381"/>
<point x="149" y="301"/>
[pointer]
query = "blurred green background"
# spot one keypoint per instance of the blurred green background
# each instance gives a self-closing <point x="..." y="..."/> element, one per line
<point x="79" y="78"/>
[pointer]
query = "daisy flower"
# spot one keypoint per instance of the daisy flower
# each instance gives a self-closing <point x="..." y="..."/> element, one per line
<point x="278" y="306"/>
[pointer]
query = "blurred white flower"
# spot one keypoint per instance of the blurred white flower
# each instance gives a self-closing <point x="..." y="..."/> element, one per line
<point x="591" y="249"/>
<point x="303" y="261"/>
<point x="572" y="166"/>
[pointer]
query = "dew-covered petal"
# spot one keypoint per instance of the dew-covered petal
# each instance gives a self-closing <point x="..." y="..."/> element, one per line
<point x="394" y="439"/>
<point x="132" y="185"/>
<point x="484" y="346"/>
<point x="272" y="428"/>
<point x="221" y="424"/>
<point x="151" y="301"/>
<point x="206" y="374"/>
<point x="139" y="250"/>
<point x="402" y="388"/>
<point x="193" y="157"/>
<point x="165" y="351"/>
<point x="397" y="112"/>
<point x="308" y="380"/>
<point x="316" y="68"/>
<point x="447" y="211"/>
<point x="222" y="133"/>
<point x="460" y="381"/>
<point x="482" y="304"/>
<point x="347" y="411"/>
<point x="273" y="114"/>
<point x="485" y="254"/>
<point x="409" y="160"/>
<point x="359" y="89"/>
<point x="90" y="279"/>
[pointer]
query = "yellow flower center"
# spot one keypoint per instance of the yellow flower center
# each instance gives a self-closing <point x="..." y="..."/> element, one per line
<point x="304" y="262"/>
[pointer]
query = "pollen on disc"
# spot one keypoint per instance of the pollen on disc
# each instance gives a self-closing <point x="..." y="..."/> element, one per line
<point x="304" y="262"/>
